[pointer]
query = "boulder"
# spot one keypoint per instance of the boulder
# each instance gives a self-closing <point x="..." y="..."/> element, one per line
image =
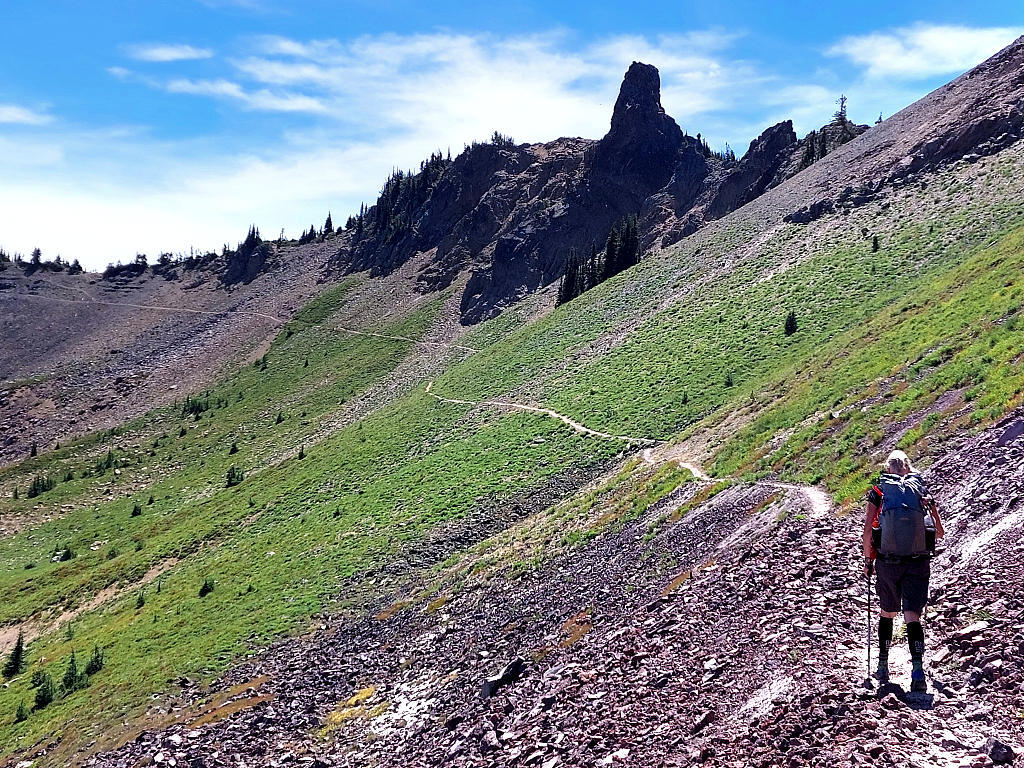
<point x="999" y="752"/>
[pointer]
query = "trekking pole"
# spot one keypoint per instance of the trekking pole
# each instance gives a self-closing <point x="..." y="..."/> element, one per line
<point x="867" y="680"/>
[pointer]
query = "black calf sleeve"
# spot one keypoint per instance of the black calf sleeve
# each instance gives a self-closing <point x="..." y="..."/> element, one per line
<point x="884" y="637"/>
<point x="915" y="638"/>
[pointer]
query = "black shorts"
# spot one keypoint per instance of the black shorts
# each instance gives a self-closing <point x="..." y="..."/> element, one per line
<point x="903" y="583"/>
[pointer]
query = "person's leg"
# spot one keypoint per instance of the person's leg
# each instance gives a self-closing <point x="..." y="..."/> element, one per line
<point x="915" y="596"/>
<point x="887" y="587"/>
<point x="884" y="640"/>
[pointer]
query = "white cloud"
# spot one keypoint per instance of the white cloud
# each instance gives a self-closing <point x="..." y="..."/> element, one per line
<point x="167" y="52"/>
<point x="460" y="87"/>
<point x="262" y="99"/>
<point x="923" y="50"/>
<point x="18" y="115"/>
<point x="342" y="114"/>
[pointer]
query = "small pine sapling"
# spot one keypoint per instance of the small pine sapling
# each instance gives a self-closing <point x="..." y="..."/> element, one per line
<point x="790" y="326"/>
<point x="95" y="663"/>
<point x="234" y="476"/>
<point x="46" y="692"/>
<point x="16" y="661"/>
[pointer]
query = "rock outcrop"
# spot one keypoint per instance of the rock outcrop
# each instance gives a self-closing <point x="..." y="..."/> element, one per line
<point x="509" y="215"/>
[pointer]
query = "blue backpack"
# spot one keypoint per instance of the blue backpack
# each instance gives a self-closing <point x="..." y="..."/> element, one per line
<point x="903" y="520"/>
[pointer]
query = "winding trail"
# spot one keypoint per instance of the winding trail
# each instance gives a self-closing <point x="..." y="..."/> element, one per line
<point x="155" y="307"/>
<point x="819" y="499"/>
<point x="265" y="315"/>
<point x="418" y="342"/>
<point x="575" y="425"/>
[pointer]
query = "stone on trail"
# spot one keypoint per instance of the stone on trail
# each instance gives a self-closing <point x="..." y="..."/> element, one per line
<point x="971" y="631"/>
<point x="618" y="756"/>
<point x="999" y="753"/>
<point x="512" y="671"/>
<point x="704" y="721"/>
<point x="1011" y="433"/>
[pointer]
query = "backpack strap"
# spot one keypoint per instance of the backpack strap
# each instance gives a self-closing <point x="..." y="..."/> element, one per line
<point x="874" y="496"/>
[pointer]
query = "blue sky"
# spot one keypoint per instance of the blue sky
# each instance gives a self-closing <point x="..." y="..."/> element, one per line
<point x="158" y="126"/>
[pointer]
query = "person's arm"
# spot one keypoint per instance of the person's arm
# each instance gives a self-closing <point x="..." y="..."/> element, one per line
<point x="869" y="522"/>
<point x="939" y="530"/>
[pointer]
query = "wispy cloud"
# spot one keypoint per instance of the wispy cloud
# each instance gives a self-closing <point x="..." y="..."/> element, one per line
<point x="166" y="52"/>
<point x="18" y="115"/>
<point x="923" y="50"/>
<point x="261" y="99"/>
<point x="248" y="5"/>
<point x="456" y="87"/>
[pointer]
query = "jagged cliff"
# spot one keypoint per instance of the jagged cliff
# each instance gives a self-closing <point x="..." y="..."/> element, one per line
<point x="509" y="214"/>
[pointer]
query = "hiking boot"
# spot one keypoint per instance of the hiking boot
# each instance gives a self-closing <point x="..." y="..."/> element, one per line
<point x="882" y="672"/>
<point x="918" y="684"/>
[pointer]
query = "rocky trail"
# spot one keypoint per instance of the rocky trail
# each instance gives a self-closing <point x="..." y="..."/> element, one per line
<point x="264" y="315"/>
<point x="734" y="636"/>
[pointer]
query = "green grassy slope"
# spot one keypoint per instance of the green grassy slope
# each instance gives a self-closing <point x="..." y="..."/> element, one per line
<point x="663" y="347"/>
<point x="278" y="546"/>
<point x="671" y="348"/>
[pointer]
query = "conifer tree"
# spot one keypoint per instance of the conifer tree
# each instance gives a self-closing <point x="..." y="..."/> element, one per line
<point x="16" y="663"/>
<point x="611" y="255"/>
<point x="234" y="476"/>
<point x="790" y="327"/>
<point x="328" y="225"/>
<point x="840" y="115"/>
<point x="46" y="692"/>
<point x="71" y="676"/>
<point x="569" y="287"/>
<point x="95" y="663"/>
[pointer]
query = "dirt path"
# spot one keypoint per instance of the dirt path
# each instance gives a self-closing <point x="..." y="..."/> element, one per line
<point x="575" y="425"/>
<point x="155" y="307"/>
<point x="818" y="498"/>
<point x="418" y="342"/>
<point x="40" y="625"/>
<point x="264" y="315"/>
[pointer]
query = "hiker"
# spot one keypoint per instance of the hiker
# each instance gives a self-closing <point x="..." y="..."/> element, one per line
<point x="900" y="529"/>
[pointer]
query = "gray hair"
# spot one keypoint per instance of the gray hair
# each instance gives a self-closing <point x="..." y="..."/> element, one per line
<point x="898" y="463"/>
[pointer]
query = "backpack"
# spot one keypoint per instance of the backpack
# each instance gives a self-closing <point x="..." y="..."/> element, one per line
<point x="903" y="521"/>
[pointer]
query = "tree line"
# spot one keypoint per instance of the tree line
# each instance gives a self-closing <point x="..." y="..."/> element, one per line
<point x="621" y="251"/>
